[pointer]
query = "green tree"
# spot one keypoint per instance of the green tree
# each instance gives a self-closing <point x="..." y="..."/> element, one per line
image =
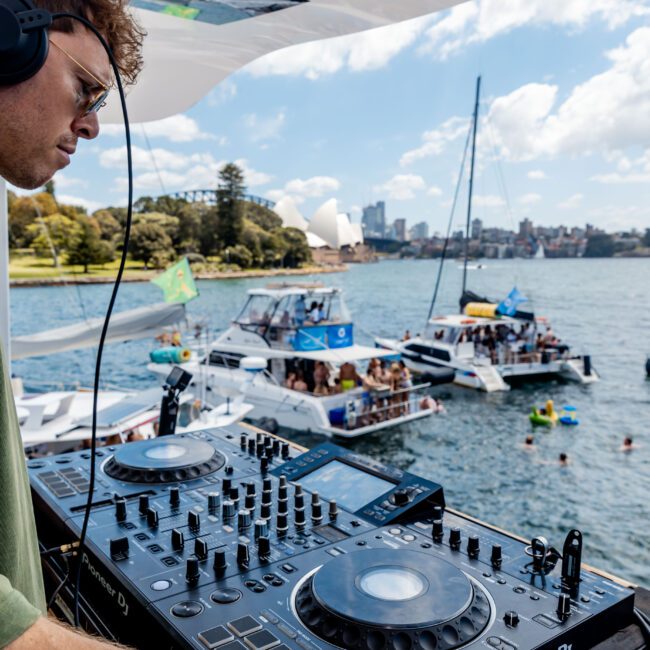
<point x="230" y="194"/>
<point x="149" y="242"/>
<point x="109" y="226"/>
<point x="52" y="235"/>
<point x="600" y="245"/>
<point x="239" y="255"/>
<point x="49" y="187"/>
<point x="168" y="223"/>
<point x="297" y="249"/>
<point x="646" y="238"/>
<point x="263" y="217"/>
<point x="87" y="247"/>
<point x="24" y="212"/>
<point x="209" y="232"/>
<point x="190" y="217"/>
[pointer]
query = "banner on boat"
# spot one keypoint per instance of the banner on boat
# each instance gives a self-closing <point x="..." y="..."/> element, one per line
<point x="508" y="307"/>
<point x="324" y="337"/>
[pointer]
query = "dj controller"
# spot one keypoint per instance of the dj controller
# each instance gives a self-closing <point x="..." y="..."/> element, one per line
<point x="235" y="540"/>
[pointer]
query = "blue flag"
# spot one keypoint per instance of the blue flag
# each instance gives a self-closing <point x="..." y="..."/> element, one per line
<point x="508" y="307"/>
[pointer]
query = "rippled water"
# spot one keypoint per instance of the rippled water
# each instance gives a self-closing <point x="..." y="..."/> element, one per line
<point x="475" y="450"/>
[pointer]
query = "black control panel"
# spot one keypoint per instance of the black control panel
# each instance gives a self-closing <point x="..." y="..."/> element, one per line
<point x="233" y="540"/>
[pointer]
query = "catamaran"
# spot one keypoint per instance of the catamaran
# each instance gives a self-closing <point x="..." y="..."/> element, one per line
<point x="489" y="345"/>
<point x="305" y="335"/>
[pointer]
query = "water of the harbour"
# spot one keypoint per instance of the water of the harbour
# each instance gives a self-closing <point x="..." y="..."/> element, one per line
<point x="475" y="450"/>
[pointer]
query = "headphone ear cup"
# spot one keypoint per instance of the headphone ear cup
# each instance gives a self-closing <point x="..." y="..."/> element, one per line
<point x="22" y="54"/>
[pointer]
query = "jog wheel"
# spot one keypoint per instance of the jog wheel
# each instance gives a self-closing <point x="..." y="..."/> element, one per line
<point x="381" y="599"/>
<point x="164" y="460"/>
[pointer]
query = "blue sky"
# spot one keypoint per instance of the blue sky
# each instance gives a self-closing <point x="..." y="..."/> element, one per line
<point x="383" y="115"/>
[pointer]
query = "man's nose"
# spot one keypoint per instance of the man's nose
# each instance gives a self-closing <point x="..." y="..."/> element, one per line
<point x="86" y="127"/>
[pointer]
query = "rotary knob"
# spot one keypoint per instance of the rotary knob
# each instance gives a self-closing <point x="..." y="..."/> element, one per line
<point x="264" y="464"/>
<point x="511" y="618"/>
<point x="282" y="524"/>
<point x="234" y="495"/>
<point x="244" y="519"/>
<point x="316" y="512"/>
<point x="120" y="510"/>
<point x="333" y="510"/>
<point x="437" y="531"/>
<point x="276" y="446"/>
<point x="228" y="509"/>
<point x="283" y="492"/>
<point x="250" y="488"/>
<point x="220" y="563"/>
<point x="263" y="546"/>
<point x="437" y="513"/>
<point x="192" y="571"/>
<point x="265" y="512"/>
<point x="267" y="497"/>
<point x="454" y="538"/>
<point x="299" y="517"/>
<point x="563" y="606"/>
<point x="473" y="546"/>
<point x="226" y="486"/>
<point x="297" y="488"/>
<point x="143" y="504"/>
<point x="243" y="439"/>
<point x="252" y="446"/>
<point x="178" y="539"/>
<point x="249" y="502"/>
<point x="495" y="556"/>
<point x="299" y="500"/>
<point x="214" y="498"/>
<point x="261" y="528"/>
<point x="283" y="506"/>
<point x="285" y="450"/>
<point x="400" y="498"/>
<point x="228" y="469"/>
<point x="267" y="484"/>
<point x="174" y="497"/>
<point x="243" y="556"/>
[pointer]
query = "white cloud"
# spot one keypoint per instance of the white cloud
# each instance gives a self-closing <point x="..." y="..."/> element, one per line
<point x="300" y="189"/>
<point x="434" y="190"/>
<point x="477" y="22"/>
<point x="63" y="181"/>
<point x="536" y="175"/>
<point x="627" y="171"/>
<point x="264" y="128"/>
<point x="145" y="159"/>
<point x="67" y="199"/>
<point x="435" y="141"/>
<point x="369" y="50"/>
<point x="401" y="187"/>
<point x="528" y="199"/>
<point x="606" y="113"/>
<point x="252" y="176"/>
<point x="488" y="201"/>
<point x="178" y="128"/>
<point x="572" y="202"/>
<point x="222" y="93"/>
<point x="620" y="217"/>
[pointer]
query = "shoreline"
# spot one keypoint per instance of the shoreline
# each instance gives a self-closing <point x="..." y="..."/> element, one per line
<point x="147" y="276"/>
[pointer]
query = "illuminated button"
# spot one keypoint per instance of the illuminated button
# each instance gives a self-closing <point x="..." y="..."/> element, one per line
<point x="225" y="596"/>
<point x="187" y="609"/>
<point x="244" y="625"/>
<point x="215" y="637"/>
<point x="161" y="585"/>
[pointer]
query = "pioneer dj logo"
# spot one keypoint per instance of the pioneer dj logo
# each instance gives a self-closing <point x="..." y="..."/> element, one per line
<point x="565" y="646"/>
<point x="110" y="590"/>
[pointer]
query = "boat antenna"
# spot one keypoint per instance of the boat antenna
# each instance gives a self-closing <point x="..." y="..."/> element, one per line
<point x="471" y="184"/>
<point x="449" y="224"/>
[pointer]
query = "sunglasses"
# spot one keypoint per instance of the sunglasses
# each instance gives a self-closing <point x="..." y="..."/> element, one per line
<point x="94" y="100"/>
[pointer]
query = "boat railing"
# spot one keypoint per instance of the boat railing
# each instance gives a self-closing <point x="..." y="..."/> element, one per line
<point x="372" y="407"/>
<point x="506" y="355"/>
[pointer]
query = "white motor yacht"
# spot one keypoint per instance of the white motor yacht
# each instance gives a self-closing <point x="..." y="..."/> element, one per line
<point x="312" y="380"/>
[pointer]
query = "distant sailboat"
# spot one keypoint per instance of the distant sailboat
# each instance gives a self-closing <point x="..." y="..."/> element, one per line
<point x="539" y="253"/>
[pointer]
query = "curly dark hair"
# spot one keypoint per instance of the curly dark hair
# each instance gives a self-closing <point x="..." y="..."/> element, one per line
<point x="114" y="21"/>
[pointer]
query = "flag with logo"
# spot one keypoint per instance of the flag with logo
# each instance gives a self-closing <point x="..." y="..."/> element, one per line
<point x="177" y="283"/>
<point x="508" y="307"/>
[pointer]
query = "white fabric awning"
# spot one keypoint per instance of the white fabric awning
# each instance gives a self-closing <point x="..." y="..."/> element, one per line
<point x="186" y="57"/>
<point x="139" y="323"/>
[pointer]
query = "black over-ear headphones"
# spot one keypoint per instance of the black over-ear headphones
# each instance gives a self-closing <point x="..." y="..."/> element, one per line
<point x="23" y="40"/>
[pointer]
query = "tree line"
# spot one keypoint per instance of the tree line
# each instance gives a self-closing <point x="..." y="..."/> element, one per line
<point x="232" y="234"/>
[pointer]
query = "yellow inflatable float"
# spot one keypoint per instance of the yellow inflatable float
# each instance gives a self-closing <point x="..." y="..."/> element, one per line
<point x="545" y="417"/>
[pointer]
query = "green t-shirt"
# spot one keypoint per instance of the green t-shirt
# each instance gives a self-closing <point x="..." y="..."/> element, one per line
<point x="22" y="597"/>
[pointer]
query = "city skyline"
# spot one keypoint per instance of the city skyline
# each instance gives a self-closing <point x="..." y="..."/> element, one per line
<point x="383" y="115"/>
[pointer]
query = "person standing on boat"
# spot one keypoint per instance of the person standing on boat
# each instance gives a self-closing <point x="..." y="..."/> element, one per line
<point x="42" y="119"/>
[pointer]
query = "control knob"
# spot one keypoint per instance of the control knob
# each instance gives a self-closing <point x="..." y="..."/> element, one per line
<point x="178" y="539"/>
<point x="120" y="510"/>
<point x="282" y="524"/>
<point x="243" y="556"/>
<point x="473" y="546"/>
<point x="244" y="519"/>
<point x="243" y="439"/>
<point x="201" y="549"/>
<point x="193" y="520"/>
<point x="250" y="488"/>
<point x="333" y="510"/>
<point x="226" y="486"/>
<point x="220" y="563"/>
<point x="495" y="557"/>
<point x="252" y="447"/>
<point x="263" y="547"/>
<point x="454" y="539"/>
<point x="249" y="502"/>
<point x="316" y="508"/>
<point x="152" y="518"/>
<point x="192" y="571"/>
<point x="228" y="469"/>
<point x="511" y="618"/>
<point x="299" y="517"/>
<point x="267" y="484"/>
<point x="285" y="450"/>
<point x="437" y="531"/>
<point x="214" y="498"/>
<point x="261" y="528"/>
<point x="143" y="504"/>
<point x="299" y="500"/>
<point x="228" y="509"/>
<point x="400" y="498"/>
<point x="174" y="497"/>
<point x="276" y="446"/>
<point x="264" y="464"/>
<point x="563" y="606"/>
<point x="265" y="512"/>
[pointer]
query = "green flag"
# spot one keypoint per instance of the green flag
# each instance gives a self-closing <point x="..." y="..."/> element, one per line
<point x="177" y="283"/>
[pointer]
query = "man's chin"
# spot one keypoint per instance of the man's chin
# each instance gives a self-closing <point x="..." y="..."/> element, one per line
<point x="27" y="182"/>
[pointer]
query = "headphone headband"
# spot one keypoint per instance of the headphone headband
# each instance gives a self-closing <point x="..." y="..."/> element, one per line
<point x="23" y="40"/>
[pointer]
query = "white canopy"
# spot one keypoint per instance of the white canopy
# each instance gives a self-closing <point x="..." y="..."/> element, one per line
<point x="185" y="59"/>
<point x="138" y="323"/>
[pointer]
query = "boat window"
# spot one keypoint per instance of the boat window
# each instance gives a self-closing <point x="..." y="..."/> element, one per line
<point x="285" y="313"/>
<point x="224" y="359"/>
<point x="258" y="310"/>
<point x="435" y="332"/>
<point x="425" y="350"/>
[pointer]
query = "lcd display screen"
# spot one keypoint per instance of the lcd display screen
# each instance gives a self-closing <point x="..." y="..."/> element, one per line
<point x="352" y="488"/>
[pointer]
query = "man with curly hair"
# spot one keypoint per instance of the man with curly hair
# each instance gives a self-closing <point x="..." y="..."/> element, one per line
<point x="42" y="120"/>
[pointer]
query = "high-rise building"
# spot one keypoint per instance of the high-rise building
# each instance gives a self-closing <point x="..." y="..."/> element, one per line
<point x="525" y="228"/>
<point x="477" y="229"/>
<point x="420" y="231"/>
<point x="399" y="226"/>
<point x="373" y="220"/>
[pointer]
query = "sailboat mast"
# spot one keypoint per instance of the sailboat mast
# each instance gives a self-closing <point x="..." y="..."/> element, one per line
<point x="471" y="184"/>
